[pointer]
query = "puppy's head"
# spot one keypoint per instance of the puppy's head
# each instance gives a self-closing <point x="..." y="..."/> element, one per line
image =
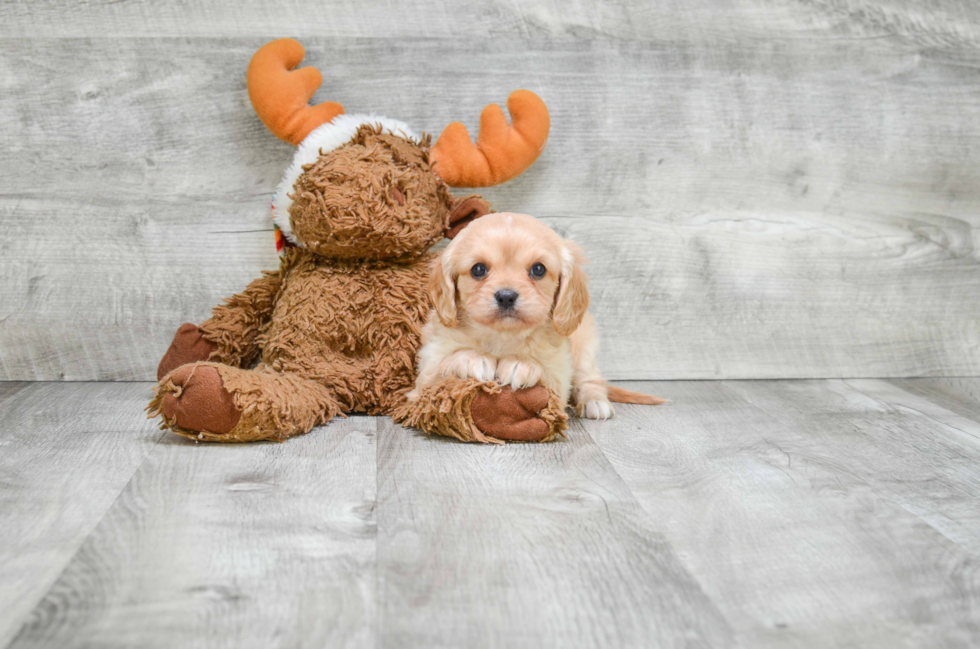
<point x="510" y="272"/>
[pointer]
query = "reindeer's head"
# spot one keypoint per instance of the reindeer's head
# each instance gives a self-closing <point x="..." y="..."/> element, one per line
<point x="367" y="187"/>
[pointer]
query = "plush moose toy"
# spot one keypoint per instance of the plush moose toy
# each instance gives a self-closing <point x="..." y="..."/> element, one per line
<point x="336" y="329"/>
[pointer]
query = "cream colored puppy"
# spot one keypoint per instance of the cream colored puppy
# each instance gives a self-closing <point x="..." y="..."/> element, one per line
<point x="511" y="305"/>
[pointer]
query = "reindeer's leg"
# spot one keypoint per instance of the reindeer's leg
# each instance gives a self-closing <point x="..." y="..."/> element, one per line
<point x="220" y="403"/>
<point x="473" y="411"/>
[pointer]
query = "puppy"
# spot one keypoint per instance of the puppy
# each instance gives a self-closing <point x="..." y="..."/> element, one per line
<point x="511" y="305"/>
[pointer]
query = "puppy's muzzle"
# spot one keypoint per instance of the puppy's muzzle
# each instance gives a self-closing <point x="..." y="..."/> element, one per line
<point x="506" y="299"/>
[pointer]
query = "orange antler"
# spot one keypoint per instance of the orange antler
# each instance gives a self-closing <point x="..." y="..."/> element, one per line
<point x="501" y="152"/>
<point x="281" y="95"/>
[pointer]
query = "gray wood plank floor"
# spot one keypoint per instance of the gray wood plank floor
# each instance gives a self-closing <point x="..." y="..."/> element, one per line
<point x="754" y="513"/>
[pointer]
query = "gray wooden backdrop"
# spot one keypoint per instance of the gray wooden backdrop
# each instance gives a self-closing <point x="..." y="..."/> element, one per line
<point x="766" y="188"/>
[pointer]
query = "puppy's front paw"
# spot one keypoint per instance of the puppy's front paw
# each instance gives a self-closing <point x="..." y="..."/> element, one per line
<point x="467" y="363"/>
<point x="518" y="373"/>
<point x="596" y="409"/>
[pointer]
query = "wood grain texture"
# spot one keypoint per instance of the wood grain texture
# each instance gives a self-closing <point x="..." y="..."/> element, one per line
<point x="804" y="205"/>
<point x="756" y="514"/>
<point x="66" y="452"/>
<point x="524" y="546"/>
<point x="938" y="22"/>
<point x="259" y="545"/>
<point x="814" y="514"/>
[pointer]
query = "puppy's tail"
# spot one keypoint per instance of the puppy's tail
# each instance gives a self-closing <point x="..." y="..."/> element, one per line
<point x="621" y="395"/>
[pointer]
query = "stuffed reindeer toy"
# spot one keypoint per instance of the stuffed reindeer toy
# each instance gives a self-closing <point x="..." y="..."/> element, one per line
<point x="337" y="327"/>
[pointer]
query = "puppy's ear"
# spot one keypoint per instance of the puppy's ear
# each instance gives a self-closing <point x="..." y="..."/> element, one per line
<point x="442" y="287"/>
<point x="465" y="210"/>
<point x="572" y="300"/>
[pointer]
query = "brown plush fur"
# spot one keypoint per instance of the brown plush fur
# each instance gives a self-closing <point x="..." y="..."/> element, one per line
<point x="445" y="408"/>
<point x="375" y="198"/>
<point x="235" y="325"/>
<point x="273" y="406"/>
<point x="337" y="327"/>
<point x="351" y="325"/>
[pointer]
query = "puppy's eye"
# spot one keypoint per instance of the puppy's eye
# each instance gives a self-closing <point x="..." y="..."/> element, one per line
<point x="538" y="270"/>
<point x="478" y="271"/>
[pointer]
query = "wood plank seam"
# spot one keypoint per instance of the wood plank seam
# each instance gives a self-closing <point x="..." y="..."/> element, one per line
<point x="26" y="621"/>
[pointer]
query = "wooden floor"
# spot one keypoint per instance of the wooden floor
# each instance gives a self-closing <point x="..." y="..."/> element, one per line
<point x="766" y="189"/>
<point x="753" y="513"/>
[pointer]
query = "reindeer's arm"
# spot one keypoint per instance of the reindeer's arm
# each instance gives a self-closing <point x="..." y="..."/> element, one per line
<point x="235" y="324"/>
<point x="230" y="335"/>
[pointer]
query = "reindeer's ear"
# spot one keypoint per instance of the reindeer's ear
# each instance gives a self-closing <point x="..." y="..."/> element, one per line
<point x="572" y="301"/>
<point x="465" y="210"/>
<point x="442" y="287"/>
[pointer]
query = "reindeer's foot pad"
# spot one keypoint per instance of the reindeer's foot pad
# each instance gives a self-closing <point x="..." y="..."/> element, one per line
<point x="512" y="415"/>
<point x="193" y="402"/>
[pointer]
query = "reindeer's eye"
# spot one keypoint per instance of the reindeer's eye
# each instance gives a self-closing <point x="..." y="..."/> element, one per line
<point x="478" y="271"/>
<point x="538" y="270"/>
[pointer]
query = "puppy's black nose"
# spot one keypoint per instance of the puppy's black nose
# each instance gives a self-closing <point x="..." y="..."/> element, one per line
<point x="506" y="298"/>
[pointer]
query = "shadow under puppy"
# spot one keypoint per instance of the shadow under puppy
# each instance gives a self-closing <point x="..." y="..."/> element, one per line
<point x="511" y="305"/>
